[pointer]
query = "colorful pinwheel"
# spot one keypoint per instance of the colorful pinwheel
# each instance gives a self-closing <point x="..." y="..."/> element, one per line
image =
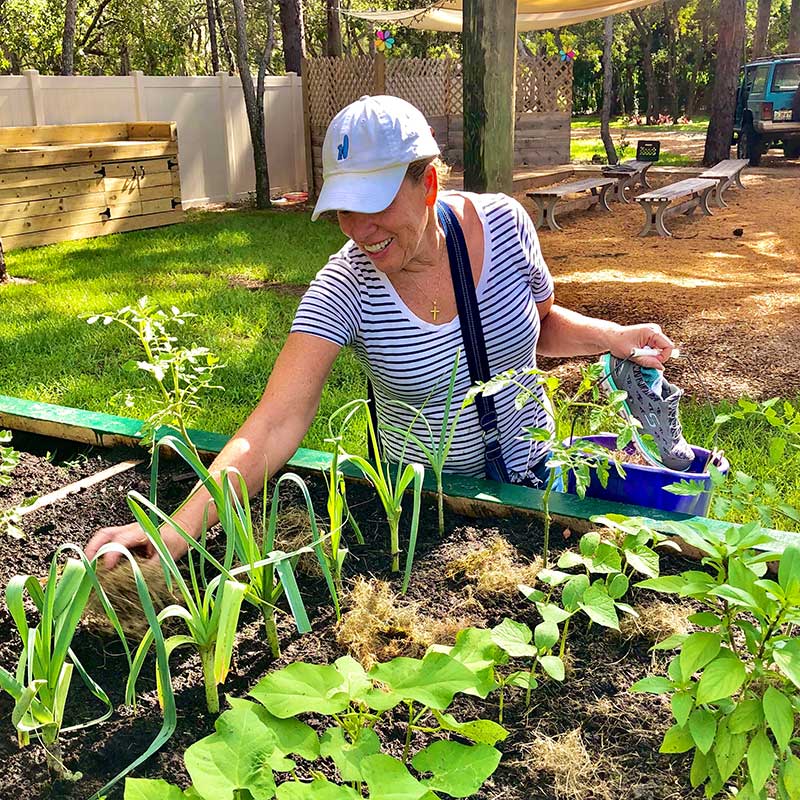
<point x="568" y="55"/>
<point x="384" y="41"/>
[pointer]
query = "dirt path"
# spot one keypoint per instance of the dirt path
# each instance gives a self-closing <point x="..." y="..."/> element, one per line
<point x="732" y="303"/>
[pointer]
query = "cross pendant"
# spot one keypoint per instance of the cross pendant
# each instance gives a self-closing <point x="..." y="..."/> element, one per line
<point x="435" y="311"/>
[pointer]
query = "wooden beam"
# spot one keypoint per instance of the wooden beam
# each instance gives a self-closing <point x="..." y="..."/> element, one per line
<point x="489" y="52"/>
<point x="153" y="130"/>
<point x="25" y="194"/>
<point x="24" y="178"/>
<point x="57" y="205"/>
<point x="63" y="134"/>
<point x="68" y="154"/>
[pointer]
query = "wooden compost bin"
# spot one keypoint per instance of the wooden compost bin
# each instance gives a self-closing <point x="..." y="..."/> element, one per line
<point x="64" y="182"/>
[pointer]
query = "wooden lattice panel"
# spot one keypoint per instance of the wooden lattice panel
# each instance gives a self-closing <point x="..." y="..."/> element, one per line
<point x="544" y="84"/>
<point x="334" y="83"/>
<point x="424" y="82"/>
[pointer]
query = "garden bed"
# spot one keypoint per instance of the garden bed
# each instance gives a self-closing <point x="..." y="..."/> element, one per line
<point x="586" y="738"/>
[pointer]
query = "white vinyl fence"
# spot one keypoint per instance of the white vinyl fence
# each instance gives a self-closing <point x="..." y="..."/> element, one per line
<point x="215" y="154"/>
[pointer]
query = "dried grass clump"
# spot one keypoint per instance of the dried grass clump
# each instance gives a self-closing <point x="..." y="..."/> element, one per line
<point x="119" y="585"/>
<point x="380" y="625"/>
<point x="656" y="621"/>
<point x="575" y="773"/>
<point x="292" y="533"/>
<point x="494" y="568"/>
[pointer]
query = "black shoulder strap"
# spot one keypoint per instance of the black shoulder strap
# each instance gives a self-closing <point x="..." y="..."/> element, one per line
<point x="472" y="333"/>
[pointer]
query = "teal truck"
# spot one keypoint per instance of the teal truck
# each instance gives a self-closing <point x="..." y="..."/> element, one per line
<point x="768" y="107"/>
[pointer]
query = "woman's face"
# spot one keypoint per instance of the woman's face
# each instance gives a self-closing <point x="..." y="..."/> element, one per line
<point x="391" y="238"/>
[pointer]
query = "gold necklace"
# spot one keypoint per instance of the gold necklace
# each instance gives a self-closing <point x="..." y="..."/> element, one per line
<point x="435" y="307"/>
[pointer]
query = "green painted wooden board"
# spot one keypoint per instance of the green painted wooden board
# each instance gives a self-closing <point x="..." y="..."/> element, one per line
<point x="473" y="493"/>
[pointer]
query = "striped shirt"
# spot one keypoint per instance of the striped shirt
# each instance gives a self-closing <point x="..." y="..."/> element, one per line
<point x="409" y="360"/>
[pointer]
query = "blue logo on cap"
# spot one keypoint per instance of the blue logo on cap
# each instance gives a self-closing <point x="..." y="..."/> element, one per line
<point x="344" y="148"/>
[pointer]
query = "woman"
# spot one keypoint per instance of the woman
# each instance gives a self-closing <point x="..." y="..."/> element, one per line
<point x="389" y="294"/>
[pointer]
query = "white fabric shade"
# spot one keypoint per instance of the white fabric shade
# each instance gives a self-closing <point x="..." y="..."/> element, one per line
<point x="532" y="15"/>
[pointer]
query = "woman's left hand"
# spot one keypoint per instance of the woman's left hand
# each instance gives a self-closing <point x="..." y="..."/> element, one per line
<point x="624" y="339"/>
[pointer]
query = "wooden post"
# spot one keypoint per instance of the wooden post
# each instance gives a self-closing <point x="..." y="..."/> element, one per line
<point x="35" y="90"/>
<point x="379" y="62"/>
<point x="227" y="135"/>
<point x="305" y="77"/>
<point x="489" y="50"/>
<point x="3" y="269"/>
<point x="138" y="95"/>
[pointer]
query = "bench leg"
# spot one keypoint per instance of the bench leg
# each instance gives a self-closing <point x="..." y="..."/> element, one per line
<point x="653" y="218"/>
<point x="643" y="178"/>
<point x="539" y="213"/>
<point x="719" y="200"/>
<point x="604" y="196"/>
<point x="660" y="227"/>
<point x="738" y="178"/>
<point x="550" y="213"/>
<point x="704" y="198"/>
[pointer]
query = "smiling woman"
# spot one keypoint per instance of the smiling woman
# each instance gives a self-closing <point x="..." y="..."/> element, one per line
<point x="424" y="274"/>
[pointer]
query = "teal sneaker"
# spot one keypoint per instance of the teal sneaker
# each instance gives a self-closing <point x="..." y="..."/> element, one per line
<point x="653" y="401"/>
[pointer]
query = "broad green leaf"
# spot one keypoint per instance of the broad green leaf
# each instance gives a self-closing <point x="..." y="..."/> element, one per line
<point x="475" y="649"/>
<point x="746" y="716"/>
<point x="723" y="677"/>
<point x="432" y="681"/>
<point x="550" y="577"/>
<point x="671" y="642"/>
<point x="789" y="571"/>
<point x="589" y="543"/>
<point x="703" y="727"/>
<point x="483" y="731"/>
<point x="318" y="789"/>
<point x="301" y="688"/>
<point x="699" y="770"/>
<point x="780" y="716"/>
<point x="618" y="586"/>
<point x="670" y="584"/>
<point x="677" y="740"/>
<point x="569" y="559"/>
<point x="388" y="779"/>
<point x="292" y="736"/>
<point x="790" y="776"/>
<point x="698" y="650"/>
<point x="643" y="560"/>
<point x="356" y="681"/>
<point x="729" y="750"/>
<point x="705" y="619"/>
<point x="682" y="704"/>
<point x="550" y="612"/>
<point x="787" y="659"/>
<point x="514" y="638"/>
<point x="457" y="769"/>
<point x="545" y="635"/>
<point x="145" y="789"/>
<point x="234" y="758"/>
<point x="599" y="607"/>
<point x="607" y="559"/>
<point x="760" y="759"/>
<point x="553" y="666"/>
<point x="652" y="684"/>
<point x="573" y="591"/>
<point x="346" y="755"/>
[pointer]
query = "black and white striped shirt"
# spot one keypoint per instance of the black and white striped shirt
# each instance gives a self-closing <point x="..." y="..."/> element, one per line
<point x="350" y="302"/>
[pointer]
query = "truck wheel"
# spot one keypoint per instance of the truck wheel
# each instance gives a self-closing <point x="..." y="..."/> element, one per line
<point x="749" y="145"/>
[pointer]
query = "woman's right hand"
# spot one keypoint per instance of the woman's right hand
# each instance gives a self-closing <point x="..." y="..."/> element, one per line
<point x="133" y="538"/>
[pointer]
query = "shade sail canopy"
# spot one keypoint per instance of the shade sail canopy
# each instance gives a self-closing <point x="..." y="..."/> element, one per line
<point x="532" y="15"/>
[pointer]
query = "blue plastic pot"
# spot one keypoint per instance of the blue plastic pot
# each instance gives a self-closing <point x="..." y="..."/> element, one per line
<point x="644" y="485"/>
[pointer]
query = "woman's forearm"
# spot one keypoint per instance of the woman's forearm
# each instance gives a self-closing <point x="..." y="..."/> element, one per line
<point x="567" y="333"/>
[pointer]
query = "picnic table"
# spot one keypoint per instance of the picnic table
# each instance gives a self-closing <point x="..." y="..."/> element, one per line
<point x="629" y="173"/>
<point x="547" y="197"/>
<point x="656" y="202"/>
<point x="726" y="172"/>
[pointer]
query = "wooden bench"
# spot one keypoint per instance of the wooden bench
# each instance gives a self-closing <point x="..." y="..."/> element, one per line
<point x="547" y="197"/>
<point x="629" y="174"/>
<point x="656" y="203"/>
<point x="726" y="173"/>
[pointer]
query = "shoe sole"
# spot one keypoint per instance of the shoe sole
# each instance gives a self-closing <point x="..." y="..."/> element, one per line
<point x="608" y="385"/>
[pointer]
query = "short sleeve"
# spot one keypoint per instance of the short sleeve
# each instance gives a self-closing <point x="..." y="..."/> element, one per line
<point x="331" y="306"/>
<point x="541" y="281"/>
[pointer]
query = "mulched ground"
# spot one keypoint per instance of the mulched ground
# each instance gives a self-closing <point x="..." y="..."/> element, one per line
<point x="730" y="302"/>
<point x="620" y="732"/>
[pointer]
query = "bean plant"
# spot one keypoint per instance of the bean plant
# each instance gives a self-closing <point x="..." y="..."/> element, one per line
<point x="255" y="740"/>
<point x="571" y="455"/>
<point x="390" y="482"/>
<point x="180" y="373"/>
<point x="734" y="686"/>
<point x="10" y="517"/>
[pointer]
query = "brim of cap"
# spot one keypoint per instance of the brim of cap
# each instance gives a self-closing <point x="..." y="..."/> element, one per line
<point x="364" y="192"/>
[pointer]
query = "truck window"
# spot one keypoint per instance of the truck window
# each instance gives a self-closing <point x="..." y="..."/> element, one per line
<point x="787" y="77"/>
<point x="760" y="80"/>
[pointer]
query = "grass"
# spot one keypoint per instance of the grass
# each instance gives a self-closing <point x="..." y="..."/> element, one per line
<point x="51" y="354"/>
<point x="584" y="149"/>
<point x="698" y="124"/>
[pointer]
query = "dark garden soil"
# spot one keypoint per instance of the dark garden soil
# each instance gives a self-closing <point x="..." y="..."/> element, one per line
<point x="586" y="738"/>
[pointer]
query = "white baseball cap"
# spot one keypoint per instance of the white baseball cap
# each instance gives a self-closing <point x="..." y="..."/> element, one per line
<point x="368" y="147"/>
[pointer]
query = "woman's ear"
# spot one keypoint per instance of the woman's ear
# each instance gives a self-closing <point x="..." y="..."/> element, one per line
<point x="431" y="185"/>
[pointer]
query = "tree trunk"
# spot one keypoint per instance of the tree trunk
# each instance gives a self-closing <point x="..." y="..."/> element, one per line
<point x="646" y="42"/>
<point x="608" y="85"/>
<point x="3" y="269"/>
<point x="212" y="36"/>
<point x="292" y="33"/>
<point x="254" y="104"/>
<point x="794" y="28"/>
<point x="223" y="37"/>
<point x="726" y="72"/>
<point x="762" y="28"/>
<point x="68" y="40"/>
<point x="334" y="41"/>
<point x="671" y="23"/>
<point x="124" y="59"/>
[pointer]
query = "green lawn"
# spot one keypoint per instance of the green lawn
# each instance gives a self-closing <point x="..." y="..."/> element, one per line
<point x="584" y="149"/>
<point x="699" y="123"/>
<point x="50" y="353"/>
